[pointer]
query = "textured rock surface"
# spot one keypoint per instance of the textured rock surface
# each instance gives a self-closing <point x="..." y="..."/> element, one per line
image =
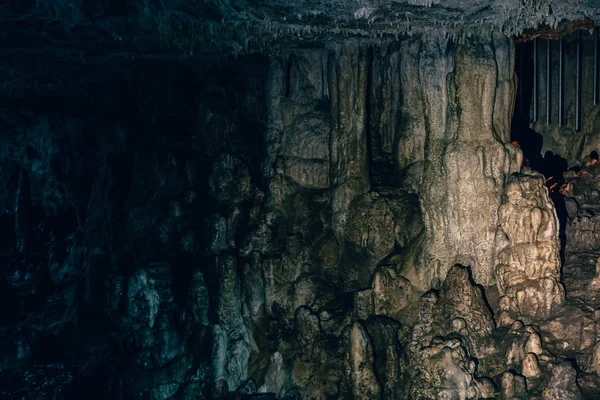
<point x="454" y="138"/>
<point x="360" y="368"/>
<point x="347" y="72"/>
<point x="281" y="226"/>
<point x="529" y="269"/>
<point x="190" y="27"/>
<point x="562" y="384"/>
<point x="446" y="373"/>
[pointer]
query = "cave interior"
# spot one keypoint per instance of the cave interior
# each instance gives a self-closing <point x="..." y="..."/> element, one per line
<point x="333" y="199"/>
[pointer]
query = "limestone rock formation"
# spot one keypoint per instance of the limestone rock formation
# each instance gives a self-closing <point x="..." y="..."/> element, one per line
<point x="443" y="156"/>
<point x="340" y="214"/>
<point x="451" y="329"/>
<point x="391" y="293"/>
<point x="530" y="368"/>
<point x="445" y="371"/>
<point x="305" y="144"/>
<point x="562" y="384"/>
<point x="390" y="366"/>
<point x="359" y="364"/>
<point x="313" y="377"/>
<point x="529" y="269"/>
<point x="462" y="305"/>
<point x="513" y="386"/>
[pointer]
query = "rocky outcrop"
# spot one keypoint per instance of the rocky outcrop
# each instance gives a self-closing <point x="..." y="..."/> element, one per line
<point x="347" y="72"/>
<point x="455" y="147"/>
<point x="438" y="356"/>
<point x="392" y="293"/>
<point x="463" y="309"/>
<point x="513" y="386"/>
<point x="306" y="126"/>
<point x="445" y="371"/>
<point x="562" y="384"/>
<point x="360" y="368"/>
<point x="529" y="269"/>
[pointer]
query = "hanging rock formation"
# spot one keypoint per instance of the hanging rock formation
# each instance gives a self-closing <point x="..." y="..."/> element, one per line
<point x="347" y="72"/>
<point x="454" y="147"/>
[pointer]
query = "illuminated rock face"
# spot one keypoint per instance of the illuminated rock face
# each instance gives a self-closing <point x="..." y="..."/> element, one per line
<point x="462" y="162"/>
<point x="449" y="143"/>
<point x="529" y="269"/>
<point x="360" y="360"/>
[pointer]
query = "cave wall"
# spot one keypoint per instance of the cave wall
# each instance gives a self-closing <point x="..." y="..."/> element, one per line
<point x="457" y="111"/>
<point x="282" y="226"/>
<point x="109" y="286"/>
<point x="380" y="163"/>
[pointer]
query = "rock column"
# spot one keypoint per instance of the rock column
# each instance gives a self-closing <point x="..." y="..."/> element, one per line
<point x="347" y="72"/>
<point x="456" y="110"/>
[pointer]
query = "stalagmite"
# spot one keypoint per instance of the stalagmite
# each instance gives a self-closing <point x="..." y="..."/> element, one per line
<point x="530" y="368"/>
<point x="529" y="271"/>
<point x="459" y="156"/>
<point x="359" y="361"/>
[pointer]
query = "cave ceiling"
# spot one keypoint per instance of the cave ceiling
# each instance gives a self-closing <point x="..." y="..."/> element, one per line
<point x="191" y="28"/>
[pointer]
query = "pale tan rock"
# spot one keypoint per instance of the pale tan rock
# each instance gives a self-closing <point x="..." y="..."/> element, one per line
<point x="460" y="298"/>
<point x="534" y="344"/>
<point x="360" y="364"/>
<point x="459" y="325"/>
<point x="517" y="326"/>
<point x="504" y="318"/>
<point x="530" y="367"/>
<point x="462" y="304"/>
<point x="447" y="376"/>
<point x="596" y="359"/>
<point x="529" y="269"/>
<point x="507" y="391"/>
<point x="515" y="354"/>
<point x="486" y="388"/>
<point x="391" y="293"/>
<point x="595" y="283"/>
<point x="459" y="169"/>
